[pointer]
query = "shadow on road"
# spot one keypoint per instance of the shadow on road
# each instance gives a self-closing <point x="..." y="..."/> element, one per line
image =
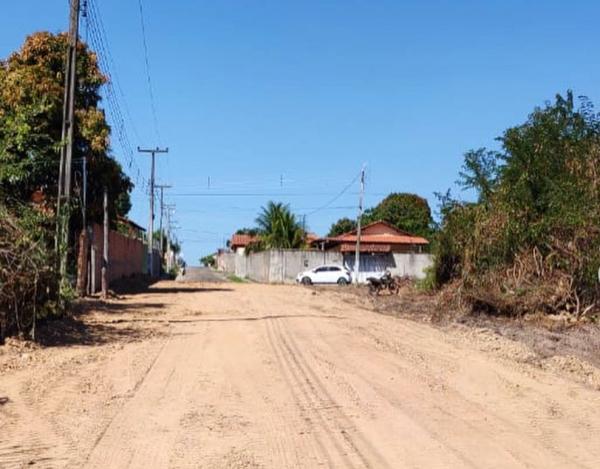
<point x="165" y="290"/>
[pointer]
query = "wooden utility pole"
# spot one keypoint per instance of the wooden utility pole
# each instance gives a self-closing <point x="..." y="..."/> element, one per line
<point x="105" y="248"/>
<point x="152" y="152"/>
<point x="67" y="137"/>
<point x="359" y="226"/>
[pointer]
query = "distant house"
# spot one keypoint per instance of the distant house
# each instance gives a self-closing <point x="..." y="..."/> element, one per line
<point x="239" y="242"/>
<point x="382" y="246"/>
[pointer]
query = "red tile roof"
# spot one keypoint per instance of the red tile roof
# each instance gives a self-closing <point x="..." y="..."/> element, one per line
<point x="391" y="235"/>
<point x="241" y="240"/>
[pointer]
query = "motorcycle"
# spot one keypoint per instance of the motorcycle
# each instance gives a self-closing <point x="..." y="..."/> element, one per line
<point x="385" y="282"/>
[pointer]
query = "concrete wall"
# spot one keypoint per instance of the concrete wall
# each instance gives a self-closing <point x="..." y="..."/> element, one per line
<point x="226" y="262"/>
<point x="413" y="265"/>
<point x="410" y="264"/>
<point x="276" y="265"/>
<point x="286" y="264"/>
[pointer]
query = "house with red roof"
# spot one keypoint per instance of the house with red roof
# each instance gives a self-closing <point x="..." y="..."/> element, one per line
<point x="239" y="242"/>
<point x="382" y="247"/>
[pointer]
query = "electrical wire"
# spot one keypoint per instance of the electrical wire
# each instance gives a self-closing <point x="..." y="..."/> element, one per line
<point x="343" y="191"/>
<point x="148" y="76"/>
<point x="119" y="120"/>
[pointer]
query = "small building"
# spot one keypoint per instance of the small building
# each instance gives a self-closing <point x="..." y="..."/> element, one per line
<point x="382" y="246"/>
<point x="239" y="242"/>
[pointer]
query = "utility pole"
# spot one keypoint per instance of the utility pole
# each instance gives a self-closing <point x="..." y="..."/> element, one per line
<point x="105" y="248"/>
<point x="162" y="187"/>
<point x="67" y="137"/>
<point x="358" y="226"/>
<point x="169" y="207"/>
<point x="152" y="152"/>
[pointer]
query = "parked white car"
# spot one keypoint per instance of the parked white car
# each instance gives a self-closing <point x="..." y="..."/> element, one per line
<point x="325" y="274"/>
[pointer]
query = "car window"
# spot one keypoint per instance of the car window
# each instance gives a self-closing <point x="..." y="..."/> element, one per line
<point x="321" y="269"/>
<point x="334" y="269"/>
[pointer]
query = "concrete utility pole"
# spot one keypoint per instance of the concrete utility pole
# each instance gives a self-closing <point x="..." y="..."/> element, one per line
<point x="67" y="137"/>
<point x="169" y="207"/>
<point x="162" y="187"/>
<point x="358" y="226"/>
<point x="105" y="248"/>
<point x="153" y="152"/>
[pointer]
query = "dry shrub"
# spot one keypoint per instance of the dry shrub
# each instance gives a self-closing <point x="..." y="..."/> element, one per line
<point x="27" y="280"/>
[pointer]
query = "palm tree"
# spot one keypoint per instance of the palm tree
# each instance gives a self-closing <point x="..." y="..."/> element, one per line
<point x="279" y="228"/>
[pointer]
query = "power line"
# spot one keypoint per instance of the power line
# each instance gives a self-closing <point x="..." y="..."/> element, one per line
<point x="263" y="194"/>
<point x="99" y="42"/>
<point x="343" y="191"/>
<point x="147" y="61"/>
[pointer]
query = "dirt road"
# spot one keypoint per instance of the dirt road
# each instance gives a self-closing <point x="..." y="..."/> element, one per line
<point x="252" y="376"/>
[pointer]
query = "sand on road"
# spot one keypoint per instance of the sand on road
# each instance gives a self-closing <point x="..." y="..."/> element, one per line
<point x="255" y="376"/>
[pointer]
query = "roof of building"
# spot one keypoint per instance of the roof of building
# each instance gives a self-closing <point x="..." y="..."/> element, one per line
<point x="372" y="234"/>
<point x="241" y="240"/>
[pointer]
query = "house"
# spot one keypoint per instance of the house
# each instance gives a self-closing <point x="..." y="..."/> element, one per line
<point x="382" y="246"/>
<point x="239" y="242"/>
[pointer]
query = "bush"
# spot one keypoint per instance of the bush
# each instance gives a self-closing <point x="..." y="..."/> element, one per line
<point x="532" y="241"/>
<point x="28" y="284"/>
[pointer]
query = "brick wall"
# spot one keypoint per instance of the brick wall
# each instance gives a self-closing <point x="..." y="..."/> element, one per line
<point x="126" y="256"/>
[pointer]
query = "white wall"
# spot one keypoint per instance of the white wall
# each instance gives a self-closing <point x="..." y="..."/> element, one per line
<point x="410" y="264"/>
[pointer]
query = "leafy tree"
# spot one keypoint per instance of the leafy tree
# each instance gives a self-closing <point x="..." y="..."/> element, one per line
<point x="31" y="101"/>
<point x="279" y="228"/>
<point x="247" y="231"/>
<point x="343" y="225"/>
<point x="407" y="212"/>
<point x="480" y="172"/>
<point x="532" y="242"/>
<point x="208" y="261"/>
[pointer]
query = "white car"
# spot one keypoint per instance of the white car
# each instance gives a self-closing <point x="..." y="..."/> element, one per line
<point x="325" y="274"/>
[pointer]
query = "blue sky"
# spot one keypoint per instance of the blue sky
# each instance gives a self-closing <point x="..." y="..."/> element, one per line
<point x="288" y="99"/>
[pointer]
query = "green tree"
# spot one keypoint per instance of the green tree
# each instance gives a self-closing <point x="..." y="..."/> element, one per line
<point x="532" y="241"/>
<point x="343" y="225"/>
<point x="31" y="101"/>
<point x="208" y="261"/>
<point x="407" y="212"/>
<point x="480" y="172"/>
<point x="279" y="228"/>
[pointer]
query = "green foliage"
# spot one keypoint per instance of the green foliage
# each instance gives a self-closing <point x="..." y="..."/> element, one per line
<point x="278" y="229"/>
<point x="235" y="279"/>
<point x="343" y="225"/>
<point x="31" y="101"/>
<point x="532" y="242"/>
<point x="407" y="212"/>
<point x="208" y="261"/>
<point x="29" y="288"/>
<point x="247" y="231"/>
<point x="480" y="172"/>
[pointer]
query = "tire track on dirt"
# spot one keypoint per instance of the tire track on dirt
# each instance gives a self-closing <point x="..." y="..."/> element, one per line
<point x="294" y="383"/>
<point x="133" y="393"/>
<point x="363" y="448"/>
<point x="21" y="445"/>
<point x="342" y="431"/>
<point x="472" y="417"/>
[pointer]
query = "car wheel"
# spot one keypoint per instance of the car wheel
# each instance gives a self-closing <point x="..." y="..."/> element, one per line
<point x="342" y="281"/>
<point x="306" y="281"/>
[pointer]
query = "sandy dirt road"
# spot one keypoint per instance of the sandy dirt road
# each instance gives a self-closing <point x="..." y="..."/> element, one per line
<point x="252" y="376"/>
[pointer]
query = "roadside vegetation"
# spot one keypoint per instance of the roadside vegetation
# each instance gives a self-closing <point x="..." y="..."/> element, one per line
<point x="31" y="102"/>
<point x="531" y="242"/>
